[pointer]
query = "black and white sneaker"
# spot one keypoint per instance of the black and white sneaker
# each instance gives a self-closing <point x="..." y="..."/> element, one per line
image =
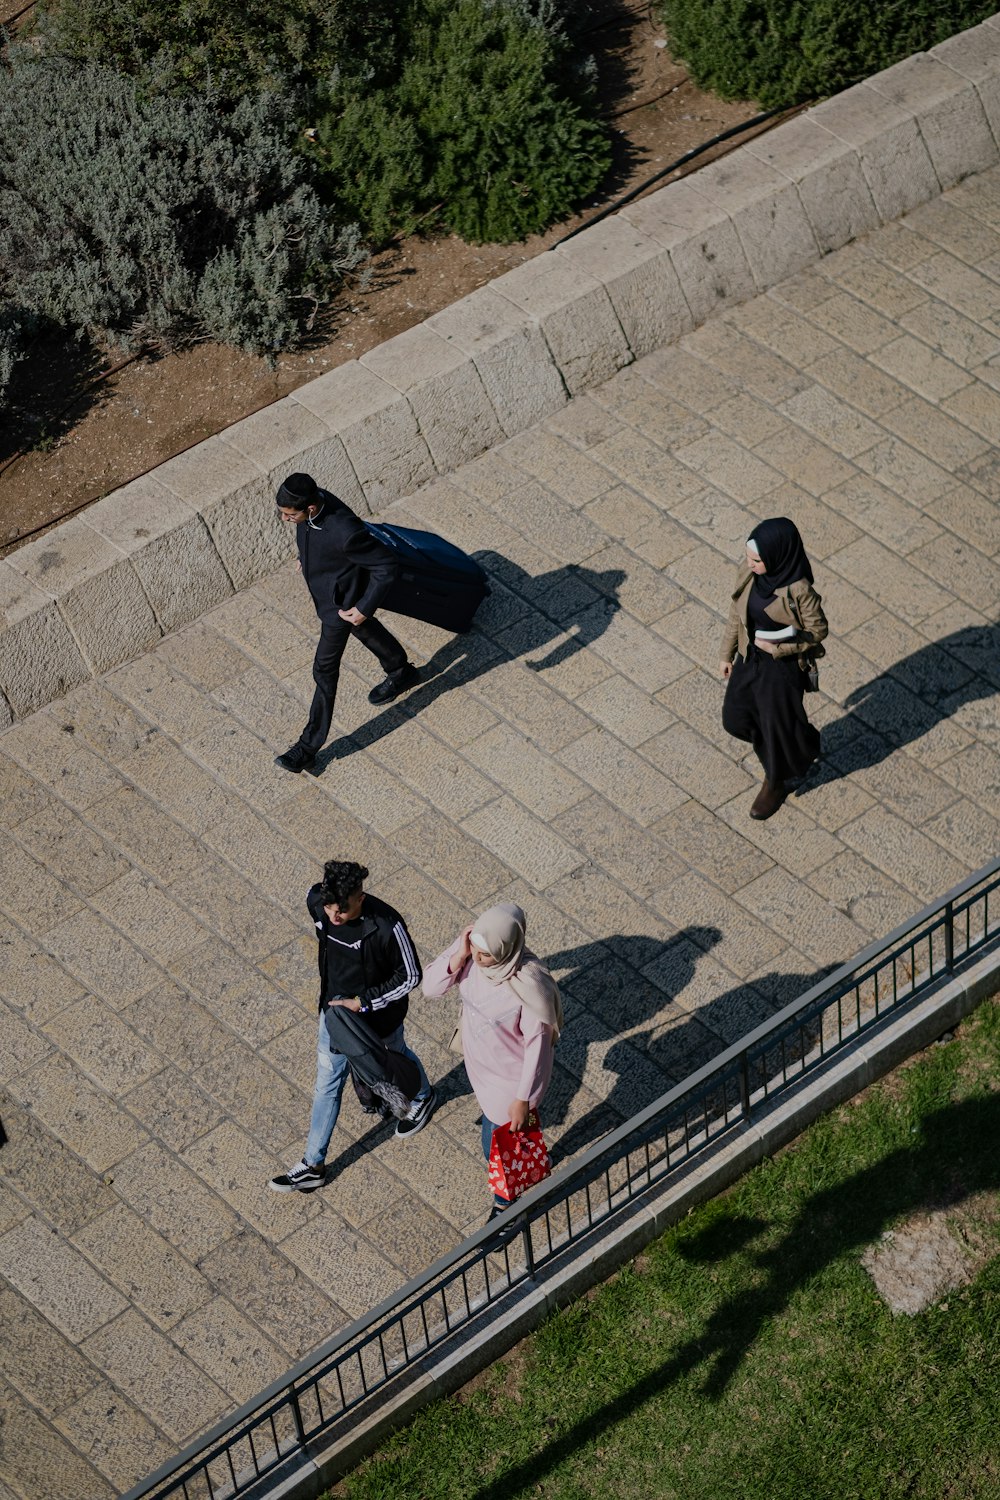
<point x="417" y="1117"/>
<point x="507" y="1230"/>
<point x="301" y="1178"/>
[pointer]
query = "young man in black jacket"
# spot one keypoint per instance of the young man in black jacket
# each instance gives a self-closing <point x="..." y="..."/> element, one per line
<point x="348" y="573"/>
<point x="367" y="964"/>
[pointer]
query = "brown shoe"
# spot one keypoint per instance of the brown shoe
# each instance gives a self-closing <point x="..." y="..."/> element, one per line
<point x="768" y="800"/>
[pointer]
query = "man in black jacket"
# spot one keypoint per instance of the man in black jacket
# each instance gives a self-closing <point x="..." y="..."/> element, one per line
<point x="368" y="965"/>
<point x="348" y="572"/>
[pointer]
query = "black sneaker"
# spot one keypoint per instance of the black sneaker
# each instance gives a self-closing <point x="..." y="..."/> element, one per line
<point x="418" y="1116"/>
<point x="296" y="759"/>
<point x="395" y="684"/>
<point x="301" y="1178"/>
<point x="507" y="1230"/>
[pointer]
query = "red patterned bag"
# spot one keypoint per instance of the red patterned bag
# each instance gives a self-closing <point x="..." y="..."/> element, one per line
<point x="518" y="1159"/>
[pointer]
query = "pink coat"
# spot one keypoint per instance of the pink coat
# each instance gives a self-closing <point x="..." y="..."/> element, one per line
<point x="508" y="1050"/>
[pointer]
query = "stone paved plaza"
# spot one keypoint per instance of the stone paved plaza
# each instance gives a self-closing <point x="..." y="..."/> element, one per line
<point x="157" y="1031"/>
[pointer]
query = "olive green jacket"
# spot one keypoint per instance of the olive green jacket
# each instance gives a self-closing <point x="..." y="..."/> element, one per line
<point x="798" y="605"/>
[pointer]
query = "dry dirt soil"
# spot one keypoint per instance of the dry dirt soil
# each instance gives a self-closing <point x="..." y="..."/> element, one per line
<point x="79" y="423"/>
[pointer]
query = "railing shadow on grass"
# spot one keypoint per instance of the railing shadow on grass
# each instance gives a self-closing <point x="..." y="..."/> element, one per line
<point x="457" y="1290"/>
<point x="956" y="1142"/>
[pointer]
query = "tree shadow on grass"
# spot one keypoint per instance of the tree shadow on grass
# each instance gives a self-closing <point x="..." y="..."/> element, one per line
<point x="954" y="1158"/>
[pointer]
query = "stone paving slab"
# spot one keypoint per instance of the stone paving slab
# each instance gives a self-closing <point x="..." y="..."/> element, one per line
<point x="157" y="1010"/>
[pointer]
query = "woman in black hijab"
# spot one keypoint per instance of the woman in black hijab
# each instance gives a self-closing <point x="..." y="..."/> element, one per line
<point x="772" y="641"/>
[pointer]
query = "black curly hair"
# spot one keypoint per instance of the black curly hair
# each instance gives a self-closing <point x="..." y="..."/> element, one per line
<point x="342" y="879"/>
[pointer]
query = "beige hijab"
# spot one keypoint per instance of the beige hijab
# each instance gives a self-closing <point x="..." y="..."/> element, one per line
<point x="500" y="932"/>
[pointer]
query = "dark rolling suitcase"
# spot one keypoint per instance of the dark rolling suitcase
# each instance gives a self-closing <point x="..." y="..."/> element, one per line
<point x="437" y="582"/>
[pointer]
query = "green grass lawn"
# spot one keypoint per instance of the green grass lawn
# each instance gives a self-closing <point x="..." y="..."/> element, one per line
<point x="747" y="1353"/>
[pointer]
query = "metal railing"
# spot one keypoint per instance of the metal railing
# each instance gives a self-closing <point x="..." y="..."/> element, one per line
<point x="889" y="974"/>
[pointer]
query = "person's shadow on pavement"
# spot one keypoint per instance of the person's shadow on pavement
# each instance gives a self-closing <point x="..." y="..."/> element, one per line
<point x="909" y="699"/>
<point x="563" y="610"/>
<point x="624" y="983"/>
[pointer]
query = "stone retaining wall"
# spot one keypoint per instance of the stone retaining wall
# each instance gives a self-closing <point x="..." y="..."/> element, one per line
<point x="104" y="586"/>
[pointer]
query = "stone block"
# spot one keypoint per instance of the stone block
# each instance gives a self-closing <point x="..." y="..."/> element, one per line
<point x="767" y="213"/>
<point x="377" y="428"/>
<point x="168" y="1387"/>
<point x="509" y="350"/>
<point x="26" y="887"/>
<point x="103" y="1047"/>
<point x="39" y="659"/>
<point x="444" y="390"/>
<point x="344" y="1264"/>
<point x="625" y="779"/>
<point x="891" y="150"/>
<point x="574" y="313"/>
<point x="114" y="1435"/>
<point x="947" y="109"/>
<point x="903" y="853"/>
<point x="515" y="837"/>
<point x="83" y="1117"/>
<point x="285" y="438"/>
<point x="174" y="1202"/>
<point x="270" y="1291"/>
<point x="707" y="255"/>
<point x="975" y="54"/>
<point x="837" y="199"/>
<point x="56" y="1280"/>
<point x="39" y="1360"/>
<point x="236" y="502"/>
<point x="169" y="547"/>
<point x="639" y="277"/>
<point x="134" y="1258"/>
<point x="38" y="1461"/>
<point x="96" y="589"/>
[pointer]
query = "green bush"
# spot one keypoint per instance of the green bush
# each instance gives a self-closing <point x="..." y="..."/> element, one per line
<point x="155" y="218"/>
<point x="783" y="51"/>
<point x="478" y="121"/>
<point x="225" y="48"/>
<point x="481" y="106"/>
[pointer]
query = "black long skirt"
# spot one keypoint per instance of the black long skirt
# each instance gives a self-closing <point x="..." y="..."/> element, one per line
<point x="763" y="705"/>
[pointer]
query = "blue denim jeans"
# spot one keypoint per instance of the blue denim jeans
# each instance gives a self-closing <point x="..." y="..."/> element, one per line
<point x="487" y="1139"/>
<point x="331" y="1075"/>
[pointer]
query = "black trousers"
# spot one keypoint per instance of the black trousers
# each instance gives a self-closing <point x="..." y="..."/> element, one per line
<point x="326" y="671"/>
<point x="763" y="704"/>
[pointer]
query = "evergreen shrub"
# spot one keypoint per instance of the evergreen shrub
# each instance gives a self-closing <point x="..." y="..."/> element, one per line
<point x="156" y="219"/>
<point x="480" y="120"/>
<point x="227" y="49"/>
<point x="783" y="51"/>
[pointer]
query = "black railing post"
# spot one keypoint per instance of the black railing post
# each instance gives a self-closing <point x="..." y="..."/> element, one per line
<point x="300" y="1430"/>
<point x="949" y="936"/>
<point x="745" y="1085"/>
<point x="529" y="1251"/>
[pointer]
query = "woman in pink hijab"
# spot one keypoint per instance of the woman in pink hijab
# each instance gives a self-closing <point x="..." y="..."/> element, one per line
<point x="511" y="1017"/>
